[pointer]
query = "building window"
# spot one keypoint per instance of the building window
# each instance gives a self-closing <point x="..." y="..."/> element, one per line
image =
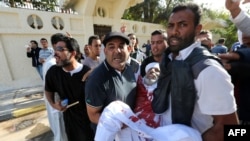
<point x="57" y="23"/>
<point x="135" y="28"/>
<point x="101" y="12"/>
<point x="35" y="22"/>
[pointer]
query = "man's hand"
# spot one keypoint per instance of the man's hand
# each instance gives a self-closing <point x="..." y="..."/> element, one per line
<point x="225" y="58"/>
<point x="57" y="105"/>
<point x="229" y="56"/>
<point x="233" y="7"/>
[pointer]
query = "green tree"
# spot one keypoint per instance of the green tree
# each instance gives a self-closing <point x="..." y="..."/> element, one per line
<point x="153" y="11"/>
<point x="44" y="5"/>
<point x="227" y="29"/>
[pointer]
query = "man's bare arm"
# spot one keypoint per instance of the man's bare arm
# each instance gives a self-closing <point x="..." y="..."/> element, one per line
<point x="94" y="113"/>
<point x="216" y="132"/>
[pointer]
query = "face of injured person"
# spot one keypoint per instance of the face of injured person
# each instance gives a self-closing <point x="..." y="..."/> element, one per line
<point x="151" y="76"/>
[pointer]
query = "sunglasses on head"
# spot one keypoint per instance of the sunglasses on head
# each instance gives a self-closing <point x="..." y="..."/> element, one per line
<point x="59" y="48"/>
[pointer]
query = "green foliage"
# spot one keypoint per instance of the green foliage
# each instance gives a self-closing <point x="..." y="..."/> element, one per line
<point x="43" y="5"/>
<point x="229" y="31"/>
<point x="155" y="12"/>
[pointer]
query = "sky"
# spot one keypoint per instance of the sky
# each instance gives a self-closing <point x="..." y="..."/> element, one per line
<point x="214" y="4"/>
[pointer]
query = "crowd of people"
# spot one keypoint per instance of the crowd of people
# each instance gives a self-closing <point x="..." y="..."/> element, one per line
<point x="183" y="87"/>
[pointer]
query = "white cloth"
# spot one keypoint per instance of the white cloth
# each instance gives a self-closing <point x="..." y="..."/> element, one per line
<point x="140" y="56"/>
<point x="102" y="55"/>
<point x="242" y="22"/>
<point x="117" y="113"/>
<point x="152" y="65"/>
<point x="215" y="94"/>
<point x="55" y="117"/>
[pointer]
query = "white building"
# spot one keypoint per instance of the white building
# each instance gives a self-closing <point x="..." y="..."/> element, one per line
<point x="19" y="26"/>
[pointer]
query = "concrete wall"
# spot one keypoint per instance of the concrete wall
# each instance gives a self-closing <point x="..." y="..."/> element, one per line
<point x="15" y="32"/>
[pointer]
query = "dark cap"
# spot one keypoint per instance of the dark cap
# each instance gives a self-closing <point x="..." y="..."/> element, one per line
<point x="111" y="35"/>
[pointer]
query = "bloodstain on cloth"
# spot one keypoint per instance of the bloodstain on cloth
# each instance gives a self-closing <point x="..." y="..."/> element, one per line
<point x="143" y="108"/>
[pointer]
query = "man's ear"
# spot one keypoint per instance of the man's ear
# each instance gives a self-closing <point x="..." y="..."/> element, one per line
<point x="72" y="54"/>
<point x="129" y="49"/>
<point x="198" y="29"/>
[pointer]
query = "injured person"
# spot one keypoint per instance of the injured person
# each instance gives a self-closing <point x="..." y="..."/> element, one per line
<point x="117" y="113"/>
<point x="118" y="122"/>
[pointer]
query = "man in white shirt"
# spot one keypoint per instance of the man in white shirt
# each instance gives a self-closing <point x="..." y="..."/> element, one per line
<point x="202" y="100"/>
<point x="93" y="59"/>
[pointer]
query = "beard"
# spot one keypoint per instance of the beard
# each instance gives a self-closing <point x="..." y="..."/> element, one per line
<point x="182" y="42"/>
<point x="150" y="81"/>
<point x="64" y="63"/>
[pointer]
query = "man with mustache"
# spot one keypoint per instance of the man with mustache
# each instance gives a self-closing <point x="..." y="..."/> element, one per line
<point x="114" y="79"/>
<point x="66" y="79"/>
<point x="193" y="89"/>
<point x="158" y="46"/>
<point x="55" y="117"/>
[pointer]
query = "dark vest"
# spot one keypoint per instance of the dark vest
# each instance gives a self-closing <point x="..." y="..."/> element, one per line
<point x="177" y="78"/>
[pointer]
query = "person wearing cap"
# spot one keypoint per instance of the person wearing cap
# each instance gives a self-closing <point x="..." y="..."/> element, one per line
<point x="66" y="79"/>
<point x="114" y="79"/>
<point x="143" y="123"/>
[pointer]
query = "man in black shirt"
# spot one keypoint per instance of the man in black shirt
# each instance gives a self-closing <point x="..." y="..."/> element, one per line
<point x="112" y="80"/>
<point x="33" y="52"/>
<point x="158" y="46"/>
<point x="66" y="78"/>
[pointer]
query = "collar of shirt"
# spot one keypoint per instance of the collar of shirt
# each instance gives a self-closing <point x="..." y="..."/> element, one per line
<point x="129" y="60"/>
<point x="184" y="53"/>
<point x="76" y="70"/>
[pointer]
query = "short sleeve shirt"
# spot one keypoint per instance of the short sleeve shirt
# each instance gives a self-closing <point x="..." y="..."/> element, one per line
<point x="105" y="85"/>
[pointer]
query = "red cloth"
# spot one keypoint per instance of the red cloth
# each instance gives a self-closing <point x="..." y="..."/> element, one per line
<point x="143" y="106"/>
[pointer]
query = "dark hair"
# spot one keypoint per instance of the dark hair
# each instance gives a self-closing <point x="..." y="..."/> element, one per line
<point x="191" y="6"/>
<point x="94" y="37"/>
<point x="71" y="44"/>
<point x="204" y="32"/>
<point x="35" y="42"/>
<point x="221" y="40"/>
<point x="43" y="39"/>
<point x="130" y="34"/>
<point x="160" y="32"/>
<point x="56" y="37"/>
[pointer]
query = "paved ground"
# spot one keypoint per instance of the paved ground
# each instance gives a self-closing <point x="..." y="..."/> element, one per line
<point x="23" y="116"/>
<point x="20" y="102"/>
<point x="32" y="127"/>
